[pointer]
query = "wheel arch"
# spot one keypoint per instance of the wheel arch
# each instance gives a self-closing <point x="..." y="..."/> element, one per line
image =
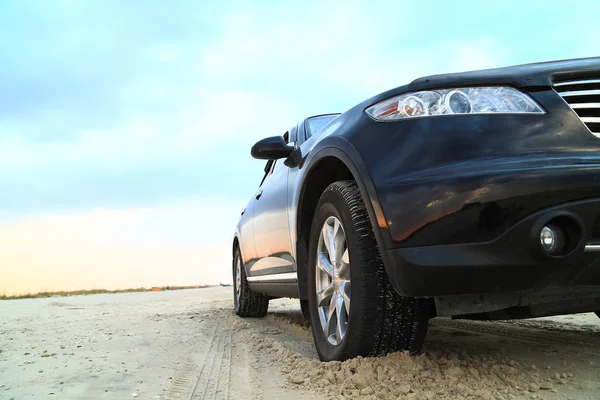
<point x="235" y="245"/>
<point x="329" y="165"/>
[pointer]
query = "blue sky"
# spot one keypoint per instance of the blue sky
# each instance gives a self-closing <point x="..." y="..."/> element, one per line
<point x="128" y="105"/>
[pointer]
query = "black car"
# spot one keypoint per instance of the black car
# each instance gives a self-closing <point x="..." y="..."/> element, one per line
<point x="472" y="195"/>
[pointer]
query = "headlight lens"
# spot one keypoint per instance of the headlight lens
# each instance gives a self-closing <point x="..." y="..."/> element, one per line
<point x="476" y="100"/>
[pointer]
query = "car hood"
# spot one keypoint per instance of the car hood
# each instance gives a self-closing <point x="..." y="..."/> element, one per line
<point x="526" y="75"/>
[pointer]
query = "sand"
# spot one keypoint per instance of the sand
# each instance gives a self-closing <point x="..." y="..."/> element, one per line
<point x="188" y="345"/>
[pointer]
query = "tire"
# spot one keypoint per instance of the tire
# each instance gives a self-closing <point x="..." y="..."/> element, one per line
<point x="246" y="303"/>
<point x="379" y="320"/>
<point x="305" y="310"/>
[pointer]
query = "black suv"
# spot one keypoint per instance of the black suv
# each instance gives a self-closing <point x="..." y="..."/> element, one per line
<point x="473" y="195"/>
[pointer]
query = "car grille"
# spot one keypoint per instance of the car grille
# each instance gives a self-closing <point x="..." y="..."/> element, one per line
<point x="583" y="95"/>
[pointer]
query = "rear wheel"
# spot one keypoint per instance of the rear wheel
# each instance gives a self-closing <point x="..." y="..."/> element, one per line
<point x="353" y="308"/>
<point x="246" y="303"/>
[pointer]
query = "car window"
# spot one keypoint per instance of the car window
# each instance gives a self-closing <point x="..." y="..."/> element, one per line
<point x="315" y="124"/>
<point x="293" y="138"/>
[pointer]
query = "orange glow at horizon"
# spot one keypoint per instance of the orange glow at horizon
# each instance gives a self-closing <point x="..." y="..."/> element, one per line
<point x="115" y="250"/>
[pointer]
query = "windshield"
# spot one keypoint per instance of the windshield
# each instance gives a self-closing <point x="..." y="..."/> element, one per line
<point x="315" y="124"/>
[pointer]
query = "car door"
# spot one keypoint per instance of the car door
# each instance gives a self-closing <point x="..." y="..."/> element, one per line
<point x="246" y="230"/>
<point x="271" y="226"/>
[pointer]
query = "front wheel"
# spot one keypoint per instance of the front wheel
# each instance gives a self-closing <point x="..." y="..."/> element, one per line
<point x="245" y="302"/>
<point x="305" y="310"/>
<point x="353" y="308"/>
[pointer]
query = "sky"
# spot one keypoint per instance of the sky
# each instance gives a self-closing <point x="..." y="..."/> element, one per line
<point x="125" y="126"/>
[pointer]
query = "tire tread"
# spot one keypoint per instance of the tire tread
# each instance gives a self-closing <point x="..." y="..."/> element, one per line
<point x="389" y="322"/>
<point x="252" y="305"/>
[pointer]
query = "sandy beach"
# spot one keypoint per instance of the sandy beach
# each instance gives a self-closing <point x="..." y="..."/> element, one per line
<point x="188" y="345"/>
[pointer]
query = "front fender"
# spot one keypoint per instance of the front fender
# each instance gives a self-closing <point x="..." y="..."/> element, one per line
<point x="341" y="149"/>
<point x="355" y="164"/>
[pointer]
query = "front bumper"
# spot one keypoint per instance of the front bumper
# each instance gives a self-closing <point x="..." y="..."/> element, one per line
<point x="457" y="197"/>
<point x="515" y="261"/>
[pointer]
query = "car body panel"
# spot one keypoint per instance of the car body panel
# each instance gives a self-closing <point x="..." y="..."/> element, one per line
<point x="300" y="165"/>
<point x="520" y="76"/>
<point x="428" y="169"/>
<point x="245" y="229"/>
<point x="271" y="228"/>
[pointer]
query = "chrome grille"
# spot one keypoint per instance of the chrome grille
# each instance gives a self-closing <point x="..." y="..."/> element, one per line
<point x="583" y="96"/>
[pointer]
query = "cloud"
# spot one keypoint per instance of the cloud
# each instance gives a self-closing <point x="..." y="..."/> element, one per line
<point x="220" y="119"/>
<point x="125" y="127"/>
<point x="140" y="111"/>
<point x="181" y="243"/>
<point x="186" y="221"/>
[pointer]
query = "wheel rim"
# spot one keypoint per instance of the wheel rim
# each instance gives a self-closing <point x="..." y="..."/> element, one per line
<point x="333" y="281"/>
<point x="238" y="280"/>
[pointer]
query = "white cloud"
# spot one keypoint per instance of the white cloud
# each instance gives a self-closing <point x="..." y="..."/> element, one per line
<point x="183" y="243"/>
<point x="186" y="221"/>
<point x="482" y="53"/>
<point x="215" y="120"/>
<point x="261" y="75"/>
<point x="350" y="48"/>
<point x="198" y="96"/>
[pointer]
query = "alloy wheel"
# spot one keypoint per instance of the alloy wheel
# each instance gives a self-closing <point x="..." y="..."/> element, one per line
<point x="333" y="281"/>
<point x="238" y="280"/>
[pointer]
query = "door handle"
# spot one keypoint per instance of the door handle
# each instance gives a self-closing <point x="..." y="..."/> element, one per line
<point x="243" y="211"/>
<point x="258" y="194"/>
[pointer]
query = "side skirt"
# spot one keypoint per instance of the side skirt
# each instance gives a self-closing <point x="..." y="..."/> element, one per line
<point x="278" y="285"/>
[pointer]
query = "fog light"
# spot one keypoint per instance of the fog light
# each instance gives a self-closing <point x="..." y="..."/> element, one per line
<point x="552" y="239"/>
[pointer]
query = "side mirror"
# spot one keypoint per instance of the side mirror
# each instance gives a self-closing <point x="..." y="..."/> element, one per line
<point x="271" y="148"/>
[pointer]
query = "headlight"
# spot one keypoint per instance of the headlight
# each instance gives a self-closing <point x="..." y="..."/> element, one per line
<point x="476" y="100"/>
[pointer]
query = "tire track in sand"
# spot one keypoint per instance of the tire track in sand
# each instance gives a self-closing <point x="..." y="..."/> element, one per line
<point x="211" y="384"/>
<point x="204" y="374"/>
<point x="223" y="364"/>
